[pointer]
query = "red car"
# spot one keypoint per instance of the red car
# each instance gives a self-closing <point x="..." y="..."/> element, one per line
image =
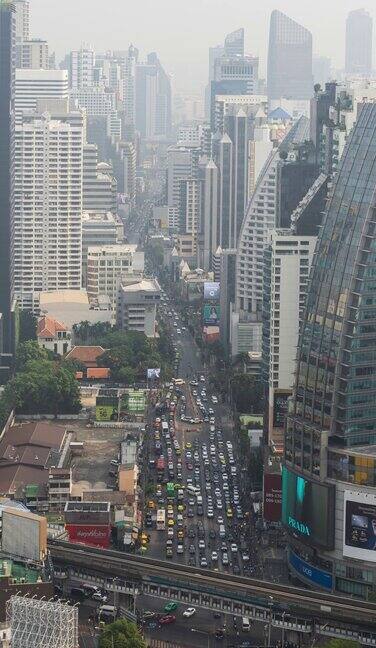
<point x="168" y="618"/>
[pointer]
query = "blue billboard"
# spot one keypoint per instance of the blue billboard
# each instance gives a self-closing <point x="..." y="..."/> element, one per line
<point x="313" y="574"/>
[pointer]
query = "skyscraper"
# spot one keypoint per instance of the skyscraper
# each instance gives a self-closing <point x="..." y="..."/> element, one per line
<point x="81" y="67"/>
<point x="153" y="98"/>
<point x="22" y="27"/>
<point x="7" y="40"/>
<point x="289" y="59"/>
<point x="329" y="495"/>
<point x="234" y="43"/>
<point x="358" y="56"/>
<point x="46" y="227"/>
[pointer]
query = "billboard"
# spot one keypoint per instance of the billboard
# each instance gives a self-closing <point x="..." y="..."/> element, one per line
<point x="211" y="314"/>
<point x="359" y="526"/>
<point x="280" y="400"/>
<point x="314" y="574"/>
<point x="24" y="534"/>
<point x="211" y="290"/>
<point x="272" y="497"/>
<point x="154" y="374"/>
<point x="136" y="400"/>
<point x="308" y="509"/>
<point x="106" y="413"/>
<point x="97" y="536"/>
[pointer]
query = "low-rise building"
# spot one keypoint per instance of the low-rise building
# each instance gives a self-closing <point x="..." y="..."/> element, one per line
<point x="74" y="306"/>
<point x="98" y="229"/>
<point x="59" y="488"/>
<point x="87" y="355"/>
<point x="53" y="335"/>
<point x="138" y="298"/>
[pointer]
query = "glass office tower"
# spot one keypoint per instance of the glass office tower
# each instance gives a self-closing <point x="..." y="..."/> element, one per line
<point x="329" y="476"/>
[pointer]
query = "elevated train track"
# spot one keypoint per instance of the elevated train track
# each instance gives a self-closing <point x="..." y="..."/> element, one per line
<point x="306" y="603"/>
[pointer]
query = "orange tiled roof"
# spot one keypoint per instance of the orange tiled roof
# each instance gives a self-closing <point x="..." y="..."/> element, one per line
<point x="48" y="327"/>
<point x="85" y="353"/>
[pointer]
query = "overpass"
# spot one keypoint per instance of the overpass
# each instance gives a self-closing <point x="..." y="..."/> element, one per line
<point x="278" y="605"/>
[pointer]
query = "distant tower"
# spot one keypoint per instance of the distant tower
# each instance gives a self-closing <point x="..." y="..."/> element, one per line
<point x="7" y="40"/>
<point x="358" y="42"/>
<point x="289" y="59"/>
<point x="234" y="43"/>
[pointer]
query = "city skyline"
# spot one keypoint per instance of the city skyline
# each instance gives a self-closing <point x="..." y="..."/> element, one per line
<point x="187" y="62"/>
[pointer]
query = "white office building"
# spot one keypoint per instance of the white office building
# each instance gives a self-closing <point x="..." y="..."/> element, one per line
<point x="137" y="303"/>
<point x="47" y="209"/>
<point x="99" y="229"/>
<point x="99" y="183"/>
<point x="287" y="263"/>
<point x="81" y="67"/>
<point x="98" y="102"/>
<point x="34" y="85"/>
<point x="105" y="266"/>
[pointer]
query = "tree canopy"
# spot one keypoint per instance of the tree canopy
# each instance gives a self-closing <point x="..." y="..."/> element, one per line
<point x="41" y="385"/>
<point x="121" y="634"/>
<point x="247" y="393"/>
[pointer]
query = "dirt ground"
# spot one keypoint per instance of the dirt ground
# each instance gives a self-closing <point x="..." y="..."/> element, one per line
<point x="90" y="471"/>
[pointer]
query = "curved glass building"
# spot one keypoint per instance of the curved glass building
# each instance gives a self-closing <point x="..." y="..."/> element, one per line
<point x="329" y="476"/>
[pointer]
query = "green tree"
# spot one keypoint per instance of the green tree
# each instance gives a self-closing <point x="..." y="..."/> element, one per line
<point x="28" y="326"/>
<point x="121" y="634"/>
<point x="248" y="393"/>
<point x="30" y="350"/>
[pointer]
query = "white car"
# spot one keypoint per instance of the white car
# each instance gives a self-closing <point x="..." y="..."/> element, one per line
<point x="189" y="612"/>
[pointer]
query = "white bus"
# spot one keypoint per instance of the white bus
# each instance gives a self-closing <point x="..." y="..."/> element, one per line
<point x="161" y="520"/>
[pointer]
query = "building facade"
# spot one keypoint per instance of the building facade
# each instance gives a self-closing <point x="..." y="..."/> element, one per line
<point x="358" y="55"/>
<point x="289" y="59"/>
<point x="105" y="266"/>
<point x="329" y="495"/>
<point x="137" y="304"/>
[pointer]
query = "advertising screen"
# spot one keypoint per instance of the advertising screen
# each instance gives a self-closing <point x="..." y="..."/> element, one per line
<point x="280" y="400"/>
<point x="211" y="314"/>
<point x="136" y="400"/>
<point x="359" y="526"/>
<point x="211" y="290"/>
<point x="272" y="497"/>
<point x="90" y="535"/>
<point x="308" y="509"/>
<point x="154" y="374"/>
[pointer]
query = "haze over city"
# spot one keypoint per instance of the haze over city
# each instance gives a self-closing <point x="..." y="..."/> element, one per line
<point x="187" y="324"/>
<point x="181" y="31"/>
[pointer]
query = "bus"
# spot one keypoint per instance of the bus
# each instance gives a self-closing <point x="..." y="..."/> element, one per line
<point x="170" y="489"/>
<point x="161" y="520"/>
<point x="107" y="613"/>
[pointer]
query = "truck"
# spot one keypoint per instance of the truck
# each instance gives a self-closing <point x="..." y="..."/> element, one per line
<point x="170" y="489"/>
<point x="161" y="520"/>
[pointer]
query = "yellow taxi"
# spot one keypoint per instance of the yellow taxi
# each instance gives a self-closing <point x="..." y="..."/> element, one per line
<point x="180" y="534"/>
<point x="170" y="522"/>
<point x="229" y="513"/>
<point x="151" y="504"/>
<point x="181" y="507"/>
<point x="188" y="445"/>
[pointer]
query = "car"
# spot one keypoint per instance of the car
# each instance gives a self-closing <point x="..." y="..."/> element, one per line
<point x="169" y="552"/>
<point x="191" y="533"/>
<point x="201" y="544"/>
<point x="200" y="510"/>
<point x="234" y="548"/>
<point x="188" y="444"/>
<point x="245" y="556"/>
<point x="149" y="615"/>
<point x="181" y="507"/>
<point x="210" y="512"/>
<point x="214" y="556"/>
<point x="170" y="532"/>
<point x="180" y="549"/>
<point x="171" y="606"/>
<point x="166" y="619"/>
<point x="190" y="513"/>
<point x="189" y="612"/>
<point x="98" y="596"/>
<point x="203" y="562"/>
<point x="220" y="519"/>
<point x="170" y="523"/>
<point x="192" y="550"/>
<point x="225" y="560"/>
<point x="219" y="634"/>
<point x="180" y="534"/>
<point x="219" y="505"/>
<point x="192" y="561"/>
<point x="212" y="534"/>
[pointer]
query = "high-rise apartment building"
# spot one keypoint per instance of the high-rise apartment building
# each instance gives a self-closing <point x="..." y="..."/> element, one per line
<point x="34" y="54"/>
<point x="81" y="67"/>
<point x="47" y="212"/>
<point x="99" y="184"/>
<point x="358" y="56"/>
<point x="328" y="483"/>
<point x="129" y="84"/>
<point x="7" y="40"/>
<point x="22" y="27"/>
<point x="34" y="85"/>
<point x="128" y="155"/>
<point x="289" y="59"/>
<point x="98" y="102"/>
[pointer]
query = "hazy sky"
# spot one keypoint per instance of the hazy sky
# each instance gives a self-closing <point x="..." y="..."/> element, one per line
<point x="180" y="31"/>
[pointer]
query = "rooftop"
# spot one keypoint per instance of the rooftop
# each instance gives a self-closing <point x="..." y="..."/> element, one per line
<point x="86" y="354"/>
<point x="49" y="326"/>
<point x="145" y="285"/>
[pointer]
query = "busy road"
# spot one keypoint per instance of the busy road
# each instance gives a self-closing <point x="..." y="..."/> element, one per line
<point x="194" y="470"/>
